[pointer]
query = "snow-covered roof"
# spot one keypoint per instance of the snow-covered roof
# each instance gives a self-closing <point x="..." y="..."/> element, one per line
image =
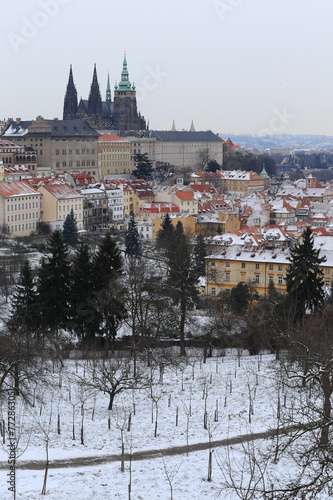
<point x="17" y="188"/>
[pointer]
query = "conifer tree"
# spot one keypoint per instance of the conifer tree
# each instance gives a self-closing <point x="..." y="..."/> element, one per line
<point x="165" y="234"/>
<point x="182" y="278"/>
<point x="24" y="317"/>
<point x="108" y="298"/>
<point x="200" y="254"/>
<point x="305" y="282"/>
<point x="83" y="314"/>
<point x="132" y="239"/>
<point x="144" y="168"/>
<point x="53" y="284"/>
<point x="70" y="231"/>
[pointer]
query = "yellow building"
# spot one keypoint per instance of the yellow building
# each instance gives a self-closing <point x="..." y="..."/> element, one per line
<point x="114" y="155"/>
<point x="188" y="222"/>
<point x="20" y="208"/>
<point x="256" y="266"/>
<point x="57" y="202"/>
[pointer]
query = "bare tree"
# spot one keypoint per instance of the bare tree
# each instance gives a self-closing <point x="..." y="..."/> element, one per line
<point x="170" y="473"/>
<point x="113" y="376"/>
<point x="243" y="471"/>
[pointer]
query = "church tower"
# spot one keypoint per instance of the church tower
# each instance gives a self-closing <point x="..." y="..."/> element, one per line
<point x="70" y="102"/>
<point x="95" y="101"/>
<point x="108" y="91"/>
<point x="126" y="116"/>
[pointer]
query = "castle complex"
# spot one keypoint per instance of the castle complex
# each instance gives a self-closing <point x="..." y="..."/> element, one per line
<point x="119" y="114"/>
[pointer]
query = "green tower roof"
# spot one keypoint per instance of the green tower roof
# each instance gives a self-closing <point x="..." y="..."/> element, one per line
<point x="124" y="84"/>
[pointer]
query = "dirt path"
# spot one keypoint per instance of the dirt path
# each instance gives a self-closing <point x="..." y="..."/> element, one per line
<point x="145" y="455"/>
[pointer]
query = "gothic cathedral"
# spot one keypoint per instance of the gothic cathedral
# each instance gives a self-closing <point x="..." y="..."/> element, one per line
<point x="121" y="114"/>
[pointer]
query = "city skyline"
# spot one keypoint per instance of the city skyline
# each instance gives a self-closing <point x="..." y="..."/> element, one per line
<point x="232" y="66"/>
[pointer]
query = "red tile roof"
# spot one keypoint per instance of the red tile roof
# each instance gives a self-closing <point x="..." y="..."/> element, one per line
<point x="17" y="188"/>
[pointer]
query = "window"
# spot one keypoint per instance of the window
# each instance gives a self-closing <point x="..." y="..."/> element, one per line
<point x="327" y="282"/>
<point x="280" y="282"/>
<point x="327" y="270"/>
<point x="280" y="267"/>
<point x="213" y="263"/>
<point x="227" y="292"/>
<point x="243" y="265"/>
<point x="257" y="266"/>
<point x="227" y="264"/>
<point x="257" y="278"/>
<point x="270" y="279"/>
<point x="57" y="152"/>
<point x="227" y="276"/>
<point x="271" y="267"/>
<point x="213" y="291"/>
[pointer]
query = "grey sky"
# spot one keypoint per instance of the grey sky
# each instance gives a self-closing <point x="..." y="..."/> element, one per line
<point x="242" y="66"/>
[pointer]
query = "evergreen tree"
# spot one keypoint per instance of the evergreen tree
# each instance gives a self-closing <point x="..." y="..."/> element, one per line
<point x="54" y="283"/>
<point x="144" y="168"/>
<point x="200" y="254"/>
<point x="107" y="263"/>
<point x="132" y="239"/>
<point x="109" y="293"/>
<point x="182" y="278"/>
<point x="83" y="314"/>
<point x="24" y="317"/>
<point x="305" y="281"/>
<point x="165" y="234"/>
<point x="239" y="298"/>
<point x="70" y="231"/>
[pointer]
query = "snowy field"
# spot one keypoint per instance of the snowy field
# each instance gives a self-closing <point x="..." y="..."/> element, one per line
<point x="239" y="392"/>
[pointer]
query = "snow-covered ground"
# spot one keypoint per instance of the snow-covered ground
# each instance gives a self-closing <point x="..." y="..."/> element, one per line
<point x="226" y="384"/>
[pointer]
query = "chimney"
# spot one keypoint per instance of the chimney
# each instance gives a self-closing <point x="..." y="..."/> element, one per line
<point x="18" y="121"/>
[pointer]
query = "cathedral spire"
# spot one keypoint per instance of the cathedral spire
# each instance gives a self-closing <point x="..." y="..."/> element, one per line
<point x="173" y="126"/>
<point x="125" y="84"/>
<point x="95" y="100"/>
<point x="108" y="91"/>
<point x="70" y="102"/>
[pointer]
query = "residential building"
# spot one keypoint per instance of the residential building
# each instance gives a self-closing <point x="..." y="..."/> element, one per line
<point x="20" y="208"/>
<point x="95" y="209"/>
<point x="12" y="154"/>
<point x="60" y="145"/>
<point x="184" y="149"/>
<point x="57" y="202"/>
<point x="114" y="155"/>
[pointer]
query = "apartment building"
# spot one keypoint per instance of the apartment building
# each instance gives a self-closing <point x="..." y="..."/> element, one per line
<point x="114" y="155"/>
<point x="60" y="145"/>
<point x="20" y="208"/>
<point x="58" y="201"/>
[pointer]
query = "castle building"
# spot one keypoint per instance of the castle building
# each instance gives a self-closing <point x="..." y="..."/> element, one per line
<point x="119" y="114"/>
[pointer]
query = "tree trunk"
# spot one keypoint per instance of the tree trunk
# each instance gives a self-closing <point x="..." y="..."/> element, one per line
<point x="111" y="401"/>
<point x="182" y="326"/>
<point x="327" y="390"/>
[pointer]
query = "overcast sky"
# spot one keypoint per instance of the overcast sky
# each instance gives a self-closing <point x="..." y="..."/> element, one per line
<point x="233" y="66"/>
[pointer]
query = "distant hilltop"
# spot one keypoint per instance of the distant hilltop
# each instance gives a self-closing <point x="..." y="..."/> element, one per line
<point x="315" y="142"/>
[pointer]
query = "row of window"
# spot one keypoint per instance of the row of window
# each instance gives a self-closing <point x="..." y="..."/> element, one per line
<point x="31" y="225"/>
<point x="257" y="266"/>
<point x="82" y="163"/>
<point x="11" y="218"/>
<point x="14" y="207"/>
<point x="68" y="208"/>
<point x="257" y="278"/>
<point x="77" y="152"/>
